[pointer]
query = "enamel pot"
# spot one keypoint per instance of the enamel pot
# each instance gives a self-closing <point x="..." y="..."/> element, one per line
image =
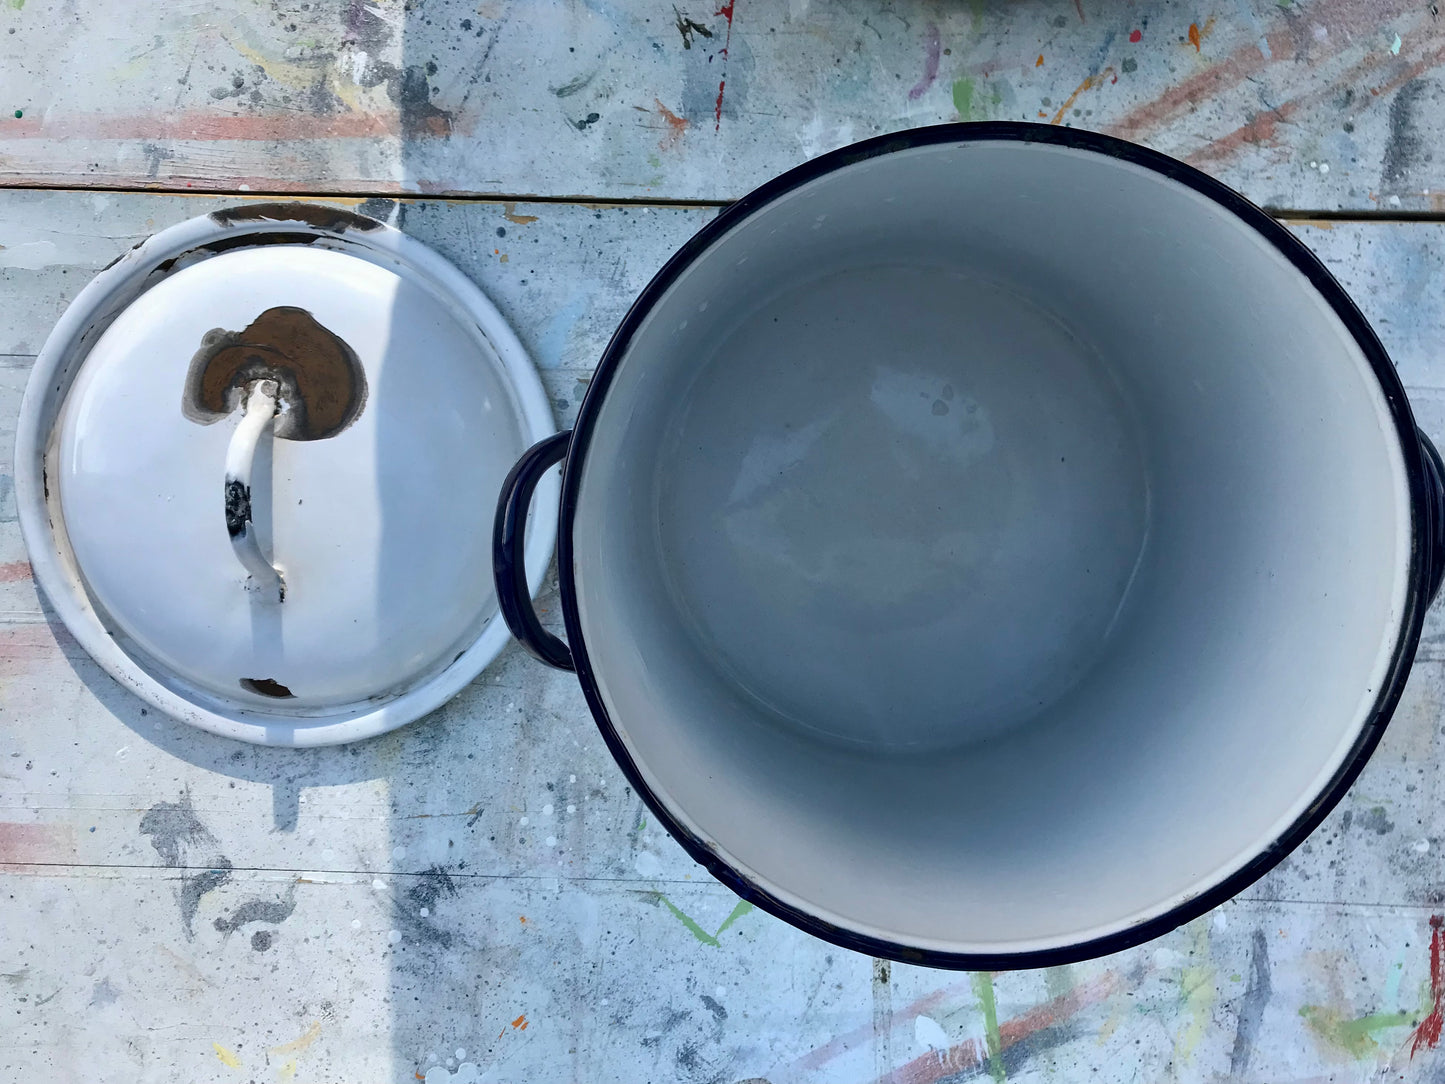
<point x="988" y="546"/>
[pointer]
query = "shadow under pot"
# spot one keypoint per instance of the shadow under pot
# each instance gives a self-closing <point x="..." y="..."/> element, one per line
<point x="989" y="546"/>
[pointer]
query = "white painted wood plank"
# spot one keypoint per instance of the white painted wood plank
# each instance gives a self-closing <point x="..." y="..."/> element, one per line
<point x="513" y="980"/>
<point x="1321" y="104"/>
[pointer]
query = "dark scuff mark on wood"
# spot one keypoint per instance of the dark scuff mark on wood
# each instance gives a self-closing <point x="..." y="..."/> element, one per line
<point x="174" y="830"/>
<point x="1251" y="1006"/>
<point x="272" y="911"/>
<point x="196" y="886"/>
<point x="171" y="826"/>
<point x="566" y="90"/>
<point x="1404" y="149"/>
<point x="687" y="28"/>
<point x="420" y="116"/>
<point x="432" y="886"/>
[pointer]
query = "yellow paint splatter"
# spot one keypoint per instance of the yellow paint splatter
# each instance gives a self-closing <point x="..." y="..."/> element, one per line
<point x="1111" y="1025"/>
<point x="509" y="212"/>
<point x="1198" y="33"/>
<point x="296" y="1046"/>
<point x="1197" y="993"/>
<point x="1089" y="83"/>
<point x="228" y="1057"/>
<point x="300" y="76"/>
<point x="1039" y="63"/>
<point x="288" y="1071"/>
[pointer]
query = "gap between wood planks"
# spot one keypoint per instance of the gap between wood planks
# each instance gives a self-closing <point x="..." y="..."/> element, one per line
<point x="401" y="197"/>
<point x="305" y="872"/>
<point x="463" y="875"/>
<point x="1290" y="215"/>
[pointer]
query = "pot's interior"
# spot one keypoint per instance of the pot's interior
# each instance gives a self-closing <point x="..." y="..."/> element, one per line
<point x="990" y="546"/>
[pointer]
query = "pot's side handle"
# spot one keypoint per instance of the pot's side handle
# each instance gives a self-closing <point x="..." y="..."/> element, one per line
<point x="1435" y="511"/>
<point x="509" y="545"/>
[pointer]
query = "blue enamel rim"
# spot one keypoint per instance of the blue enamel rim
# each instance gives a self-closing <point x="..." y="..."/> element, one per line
<point x="1423" y="504"/>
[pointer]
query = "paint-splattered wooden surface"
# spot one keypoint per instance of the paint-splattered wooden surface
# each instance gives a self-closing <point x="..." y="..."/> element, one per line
<point x="480" y="898"/>
<point x="1321" y="104"/>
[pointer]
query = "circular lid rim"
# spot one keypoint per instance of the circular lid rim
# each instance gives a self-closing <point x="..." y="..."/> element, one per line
<point x="65" y="350"/>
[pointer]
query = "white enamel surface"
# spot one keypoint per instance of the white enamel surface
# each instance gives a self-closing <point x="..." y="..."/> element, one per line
<point x="382" y="531"/>
<point x="990" y="547"/>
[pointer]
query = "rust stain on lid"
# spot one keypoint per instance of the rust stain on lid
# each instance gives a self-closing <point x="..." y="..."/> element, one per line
<point x="319" y="215"/>
<point x="322" y="385"/>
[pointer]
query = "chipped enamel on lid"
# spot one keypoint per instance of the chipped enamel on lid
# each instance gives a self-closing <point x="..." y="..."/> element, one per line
<point x="271" y="480"/>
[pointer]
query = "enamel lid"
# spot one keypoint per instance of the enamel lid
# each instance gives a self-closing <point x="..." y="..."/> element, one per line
<point x="270" y="480"/>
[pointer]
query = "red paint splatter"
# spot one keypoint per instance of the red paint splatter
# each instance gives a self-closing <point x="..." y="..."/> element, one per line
<point x="727" y="12"/>
<point x="520" y="1022"/>
<point x="849" y="1040"/>
<point x="32" y="650"/>
<point x="1079" y="7"/>
<point x="14" y="570"/>
<point x="1262" y="130"/>
<point x="30" y="843"/>
<point x="1428" y="1033"/>
<point x="676" y="124"/>
<point x="1137" y="36"/>
<point x="971" y="1054"/>
<point x="1194" y="38"/>
<point x="932" y="49"/>
<point x="198" y="125"/>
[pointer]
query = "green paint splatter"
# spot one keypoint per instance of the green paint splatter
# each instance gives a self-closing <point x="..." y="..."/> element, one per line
<point x="1392" y="982"/>
<point x="16" y="4"/>
<point x="741" y="909"/>
<point x="983" y="987"/>
<point x="963" y="97"/>
<point x="19" y="113"/>
<point x="971" y="104"/>
<point x="693" y="928"/>
<point x="1354" y="1037"/>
